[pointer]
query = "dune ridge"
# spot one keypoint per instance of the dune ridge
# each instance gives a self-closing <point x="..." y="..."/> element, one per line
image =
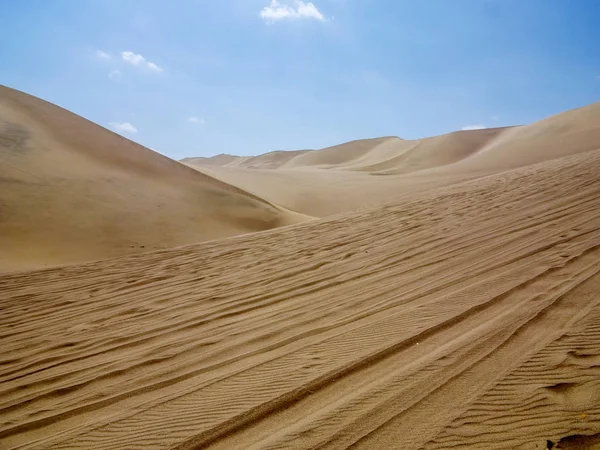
<point x="363" y="174"/>
<point x="495" y="149"/>
<point x="66" y="181"/>
<point x="406" y="326"/>
<point x="270" y="160"/>
<point x="448" y="297"/>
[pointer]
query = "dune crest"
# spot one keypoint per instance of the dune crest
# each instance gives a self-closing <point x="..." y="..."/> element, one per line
<point x="466" y="317"/>
<point x="72" y="191"/>
<point x="448" y="298"/>
<point x="370" y="172"/>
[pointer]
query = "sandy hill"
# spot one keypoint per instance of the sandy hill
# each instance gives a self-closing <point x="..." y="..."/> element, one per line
<point x="367" y="155"/>
<point x="218" y="160"/>
<point x="452" y="303"/>
<point x="466" y="317"/>
<point x="564" y="134"/>
<point x="438" y="151"/>
<point x="374" y="171"/>
<point x="337" y="155"/>
<point x="392" y="153"/>
<point x="270" y="160"/>
<point x="340" y="178"/>
<point x="71" y="190"/>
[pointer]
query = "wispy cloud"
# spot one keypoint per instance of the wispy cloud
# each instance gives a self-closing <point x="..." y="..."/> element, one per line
<point x="473" y="127"/>
<point x="114" y="74"/>
<point x="102" y="54"/>
<point x="123" y="127"/>
<point x="154" y="67"/>
<point x="297" y="9"/>
<point x="138" y="60"/>
<point x="196" y="120"/>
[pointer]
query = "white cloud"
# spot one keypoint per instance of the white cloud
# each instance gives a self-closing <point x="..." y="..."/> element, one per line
<point x="297" y="10"/>
<point x="114" y="74"/>
<point x="132" y="58"/>
<point x="196" y="120"/>
<point x="102" y="55"/>
<point x="139" y="60"/>
<point x="154" y="67"/>
<point x="123" y="127"/>
<point x="473" y="127"/>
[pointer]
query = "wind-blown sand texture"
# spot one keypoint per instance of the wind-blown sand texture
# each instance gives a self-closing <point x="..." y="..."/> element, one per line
<point x="462" y="316"/>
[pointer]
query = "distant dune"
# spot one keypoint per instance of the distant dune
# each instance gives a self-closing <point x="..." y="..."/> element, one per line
<point x="491" y="149"/>
<point x="270" y="160"/>
<point x="369" y="172"/>
<point x="564" y="134"/>
<point x="338" y="155"/>
<point x="217" y="160"/>
<point x="71" y="190"/>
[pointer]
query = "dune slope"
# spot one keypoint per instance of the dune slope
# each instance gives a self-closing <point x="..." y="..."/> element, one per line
<point x="340" y="179"/>
<point x="564" y="134"/>
<point x="398" y="155"/>
<point x="72" y="191"/>
<point x="338" y="155"/>
<point x="218" y="160"/>
<point x="270" y="160"/>
<point x="466" y="317"/>
<point x="365" y="173"/>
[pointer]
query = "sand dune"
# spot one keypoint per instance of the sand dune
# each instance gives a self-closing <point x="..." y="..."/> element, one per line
<point x="398" y="155"/>
<point x="492" y="149"/>
<point x="341" y="178"/>
<point x="270" y="160"/>
<point x="449" y="298"/>
<point x="560" y="135"/>
<point x="217" y="160"/>
<point x="363" y="174"/>
<point x="73" y="191"/>
<point x="438" y="151"/>
<point x="467" y="317"/>
<point x="338" y="155"/>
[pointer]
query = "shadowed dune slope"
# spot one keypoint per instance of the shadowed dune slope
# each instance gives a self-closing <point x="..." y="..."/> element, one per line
<point x="402" y="156"/>
<point x="337" y="155"/>
<point x="71" y="190"/>
<point x="270" y="160"/>
<point x="437" y="151"/>
<point x="564" y="134"/>
<point x="338" y="179"/>
<point x="365" y="173"/>
<point x="467" y="317"/>
<point x="367" y="155"/>
<point x="218" y="160"/>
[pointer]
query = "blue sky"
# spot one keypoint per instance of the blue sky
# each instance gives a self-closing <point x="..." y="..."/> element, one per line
<point x="201" y="77"/>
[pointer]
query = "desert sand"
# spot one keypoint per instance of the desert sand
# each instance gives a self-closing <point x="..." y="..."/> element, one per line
<point x="360" y="174"/>
<point x="380" y="294"/>
<point x="73" y="191"/>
